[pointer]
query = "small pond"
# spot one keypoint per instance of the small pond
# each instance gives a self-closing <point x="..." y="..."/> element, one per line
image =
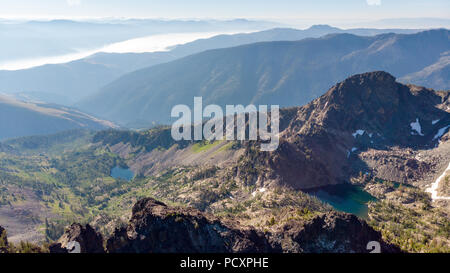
<point x="345" y="197"/>
<point x="122" y="173"/>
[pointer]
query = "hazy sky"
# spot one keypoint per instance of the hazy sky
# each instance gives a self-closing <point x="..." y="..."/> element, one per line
<point x="269" y="9"/>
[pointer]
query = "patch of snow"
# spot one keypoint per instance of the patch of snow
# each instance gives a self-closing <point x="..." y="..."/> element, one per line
<point x="259" y="190"/>
<point x="441" y="132"/>
<point x="370" y="135"/>
<point x="354" y="149"/>
<point x="435" y="185"/>
<point x="418" y="157"/>
<point x="358" y="132"/>
<point x="435" y="121"/>
<point x="415" y="126"/>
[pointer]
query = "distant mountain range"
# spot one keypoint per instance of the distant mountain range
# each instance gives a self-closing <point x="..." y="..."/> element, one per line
<point x="19" y="119"/>
<point x="69" y="82"/>
<point x="39" y="38"/>
<point x="287" y="73"/>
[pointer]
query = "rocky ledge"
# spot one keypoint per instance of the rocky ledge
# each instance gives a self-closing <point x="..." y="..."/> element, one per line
<point x="157" y="228"/>
<point x="88" y="239"/>
<point x="332" y="232"/>
<point x="3" y="241"/>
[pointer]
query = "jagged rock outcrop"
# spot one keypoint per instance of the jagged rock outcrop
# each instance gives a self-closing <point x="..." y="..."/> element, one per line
<point x="89" y="240"/>
<point x="157" y="228"/>
<point x="3" y="241"/>
<point x="332" y="232"/>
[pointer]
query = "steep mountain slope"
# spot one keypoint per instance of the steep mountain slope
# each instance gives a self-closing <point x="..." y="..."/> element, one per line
<point x="19" y="118"/>
<point x="436" y="74"/>
<point x="284" y="73"/>
<point x="364" y="112"/>
<point x="69" y="82"/>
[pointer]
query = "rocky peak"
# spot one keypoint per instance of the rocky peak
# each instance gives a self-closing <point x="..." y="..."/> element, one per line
<point x="90" y="241"/>
<point x="361" y="98"/>
<point x="332" y="232"/>
<point x="375" y="91"/>
<point x="376" y="103"/>
<point x="369" y="110"/>
<point x="157" y="228"/>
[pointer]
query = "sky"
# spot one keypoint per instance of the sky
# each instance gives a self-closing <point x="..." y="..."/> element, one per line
<point x="292" y="13"/>
<point x="226" y="9"/>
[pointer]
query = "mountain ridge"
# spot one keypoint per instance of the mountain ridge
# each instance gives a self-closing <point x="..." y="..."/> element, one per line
<point x="80" y="78"/>
<point x="18" y="119"/>
<point x="192" y="231"/>
<point x="261" y="73"/>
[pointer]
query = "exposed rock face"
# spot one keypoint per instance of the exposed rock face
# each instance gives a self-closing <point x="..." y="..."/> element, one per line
<point x="3" y="240"/>
<point x="366" y="111"/>
<point x="329" y="233"/>
<point x="90" y="241"/>
<point x="157" y="228"/>
<point x="2" y="230"/>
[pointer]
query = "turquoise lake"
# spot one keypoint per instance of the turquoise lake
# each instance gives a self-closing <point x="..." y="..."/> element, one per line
<point x="122" y="173"/>
<point x="345" y="197"/>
